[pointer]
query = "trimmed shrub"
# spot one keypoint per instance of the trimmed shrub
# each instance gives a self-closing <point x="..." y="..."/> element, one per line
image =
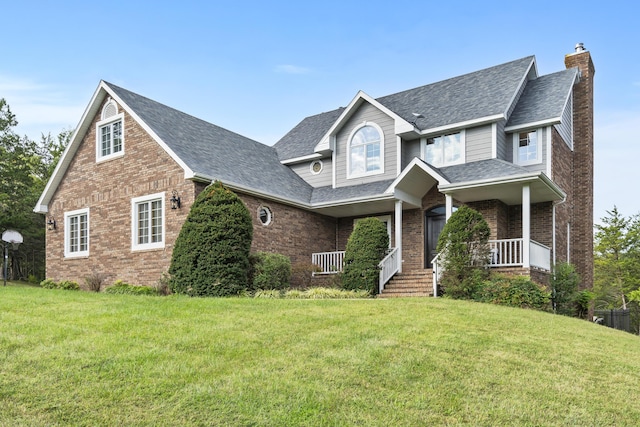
<point x="564" y="287"/>
<point x="271" y="271"/>
<point x="464" y="253"/>
<point x="211" y="253"/>
<point x="366" y="247"/>
<point x="517" y="291"/>
<point x="312" y="293"/>
<point x="162" y="285"/>
<point x="123" y="288"/>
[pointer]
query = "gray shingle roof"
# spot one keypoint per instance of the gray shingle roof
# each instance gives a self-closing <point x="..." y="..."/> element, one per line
<point x="481" y="170"/>
<point x="215" y="152"/>
<point x="302" y="139"/>
<point x="328" y="194"/>
<point x="471" y="96"/>
<point x="543" y="98"/>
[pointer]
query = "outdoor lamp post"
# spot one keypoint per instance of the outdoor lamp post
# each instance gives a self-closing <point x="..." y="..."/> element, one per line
<point x="15" y="238"/>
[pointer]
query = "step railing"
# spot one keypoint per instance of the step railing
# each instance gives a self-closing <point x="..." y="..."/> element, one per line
<point x="389" y="266"/>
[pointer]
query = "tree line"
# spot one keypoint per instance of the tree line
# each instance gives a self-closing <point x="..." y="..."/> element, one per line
<point x="25" y="168"/>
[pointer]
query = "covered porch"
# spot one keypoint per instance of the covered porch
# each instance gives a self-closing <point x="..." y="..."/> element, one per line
<point x="511" y="246"/>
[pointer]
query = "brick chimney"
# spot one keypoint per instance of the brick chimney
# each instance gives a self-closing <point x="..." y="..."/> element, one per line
<point x="582" y="223"/>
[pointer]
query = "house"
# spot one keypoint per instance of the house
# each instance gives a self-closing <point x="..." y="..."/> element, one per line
<point x="514" y="145"/>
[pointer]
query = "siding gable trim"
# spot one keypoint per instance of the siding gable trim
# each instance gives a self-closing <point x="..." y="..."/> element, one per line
<point x="401" y="125"/>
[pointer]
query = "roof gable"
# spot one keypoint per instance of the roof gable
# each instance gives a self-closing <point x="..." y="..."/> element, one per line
<point x="205" y="151"/>
<point x="544" y="99"/>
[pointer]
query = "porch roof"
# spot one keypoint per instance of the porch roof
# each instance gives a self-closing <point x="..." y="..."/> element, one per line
<point x="491" y="179"/>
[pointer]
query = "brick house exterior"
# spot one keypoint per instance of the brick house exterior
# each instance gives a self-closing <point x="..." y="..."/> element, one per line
<point x="516" y="146"/>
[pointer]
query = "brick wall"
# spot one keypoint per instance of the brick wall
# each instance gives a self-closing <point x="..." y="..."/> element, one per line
<point x="582" y="226"/>
<point x="107" y="188"/>
<point x="561" y="173"/>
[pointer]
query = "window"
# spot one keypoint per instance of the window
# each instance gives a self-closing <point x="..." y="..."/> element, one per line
<point x="110" y="138"/>
<point x="76" y="233"/>
<point x="147" y="223"/>
<point x="316" y="167"/>
<point x="445" y="150"/>
<point x="527" y="148"/>
<point x="264" y="215"/>
<point x="366" y="151"/>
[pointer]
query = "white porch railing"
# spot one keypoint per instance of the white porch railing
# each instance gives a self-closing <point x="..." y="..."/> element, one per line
<point x="505" y="253"/>
<point x="389" y="266"/>
<point x="328" y="262"/>
<point x="539" y="256"/>
<point x="509" y="253"/>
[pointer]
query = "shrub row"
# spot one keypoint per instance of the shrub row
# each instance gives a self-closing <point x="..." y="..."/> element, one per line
<point x="122" y="288"/>
<point x="67" y="285"/>
<point x="313" y="293"/>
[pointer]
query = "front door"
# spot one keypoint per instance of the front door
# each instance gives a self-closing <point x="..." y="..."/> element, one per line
<point x="434" y="223"/>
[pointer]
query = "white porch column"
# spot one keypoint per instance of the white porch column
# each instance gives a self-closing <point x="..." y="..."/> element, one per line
<point x="526" y="225"/>
<point x="449" y="206"/>
<point x="398" y="231"/>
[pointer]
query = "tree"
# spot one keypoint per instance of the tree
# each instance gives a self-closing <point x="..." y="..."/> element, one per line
<point x="211" y="254"/>
<point x="564" y="286"/>
<point x="366" y="247"/>
<point x="464" y="253"/>
<point x="616" y="259"/>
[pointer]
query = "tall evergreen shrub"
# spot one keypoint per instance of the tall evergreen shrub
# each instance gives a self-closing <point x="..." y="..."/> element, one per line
<point x="211" y="254"/>
<point x="366" y="247"/>
<point x="464" y="253"/>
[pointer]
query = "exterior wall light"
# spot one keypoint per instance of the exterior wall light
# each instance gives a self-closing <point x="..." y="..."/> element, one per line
<point x="51" y="224"/>
<point x="175" y="200"/>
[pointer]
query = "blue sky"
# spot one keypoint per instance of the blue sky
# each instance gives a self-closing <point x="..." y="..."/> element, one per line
<point x="258" y="68"/>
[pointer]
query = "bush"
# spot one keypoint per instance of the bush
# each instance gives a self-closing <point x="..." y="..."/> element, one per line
<point x="122" y="288"/>
<point x="211" y="253"/>
<point x="464" y="253"/>
<point x="49" y="284"/>
<point x="564" y="287"/>
<point x="271" y="271"/>
<point x="302" y="274"/>
<point x="162" y="285"/>
<point x="95" y="281"/>
<point x="312" y="293"/>
<point x="366" y="247"/>
<point x="67" y="285"/>
<point x="517" y="291"/>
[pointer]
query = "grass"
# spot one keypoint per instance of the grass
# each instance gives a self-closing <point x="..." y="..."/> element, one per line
<point x="79" y="358"/>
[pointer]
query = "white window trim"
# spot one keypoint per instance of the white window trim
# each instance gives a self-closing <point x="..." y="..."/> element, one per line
<point x="135" y="246"/>
<point x="516" y="144"/>
<point x="67" y="230"/>
<point x="353" y="132"/>
<point x="269" y="215"/>
<point x="384" y="218"/>
<point x="100" y="124"/>
<point x="463" y="143"/>
<point x="311" y="167"/>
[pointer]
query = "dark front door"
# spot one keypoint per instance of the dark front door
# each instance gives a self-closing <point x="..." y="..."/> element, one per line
<point x="434" y="223"/>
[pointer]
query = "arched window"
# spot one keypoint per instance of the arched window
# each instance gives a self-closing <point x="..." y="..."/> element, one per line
<point x="366" y="150"/>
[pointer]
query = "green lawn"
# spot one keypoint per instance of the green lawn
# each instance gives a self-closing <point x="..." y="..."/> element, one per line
<point x="78" y="358"/>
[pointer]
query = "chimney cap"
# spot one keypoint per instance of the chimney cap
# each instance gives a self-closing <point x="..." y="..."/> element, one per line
<point x="580" y="47"/>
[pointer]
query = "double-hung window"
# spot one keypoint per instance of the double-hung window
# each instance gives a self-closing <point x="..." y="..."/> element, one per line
<point x="147" y="222"/>
<point x="445" y="150"/>
<point x="76" y="233"/>
<point x="527" y="148"/>
<point x="110" y="138"/>
<point x="366" y="149"/>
